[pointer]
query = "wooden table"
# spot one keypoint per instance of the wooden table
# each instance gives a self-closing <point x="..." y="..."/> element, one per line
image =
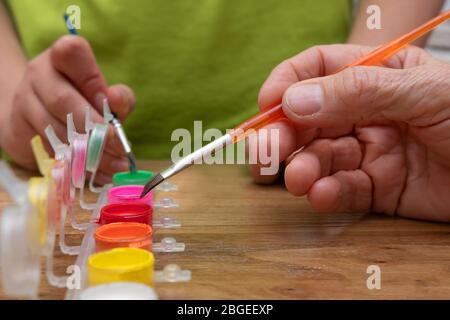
<point x="245" y="241"/>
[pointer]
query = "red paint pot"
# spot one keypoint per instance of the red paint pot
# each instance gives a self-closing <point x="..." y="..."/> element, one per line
<point x="126" y="212"/>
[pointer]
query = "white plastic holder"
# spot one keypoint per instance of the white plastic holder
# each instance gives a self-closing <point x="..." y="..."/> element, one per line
<point x="21" y="244"/>
<point x="78" y="178"/>
<point x="97" y="131"/>
<point x="166" y="186"/>
<point x="168" y="244"/>
<point x="20" y="263"/>
<point x="166" y="203"/>
<point x="64" y="152"/>
<point x="166" y="223"/>
<point x="172" y="273"/>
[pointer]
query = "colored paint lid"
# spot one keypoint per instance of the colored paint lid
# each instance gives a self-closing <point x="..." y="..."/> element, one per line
<point x="139" y="177"/>
<point x="40" y="199"/>
<point x="121" y="264"/>
<point x="78" y="162"/>
<point x="126" y="212"/>
<point x="95" y="147"/>
<point x="119" y="291"/>
<point x="129" y="194"/>
<point x="61" y="176"/>
<point x="123" y="234"/>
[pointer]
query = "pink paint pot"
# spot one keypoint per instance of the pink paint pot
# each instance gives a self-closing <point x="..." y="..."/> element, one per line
<point x="79" y="151"/>
<point x="61" y="176"/>
<point x="126" y="212"/>
<point x="129" y="194"/>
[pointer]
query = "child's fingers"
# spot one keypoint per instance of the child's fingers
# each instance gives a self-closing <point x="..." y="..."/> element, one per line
<point x="59" y="96"/>
<point x="16" y="135"/>
<point x="113" y="145"/>
<point x="111" y="164"/>
<point x="28" y="119"/>
<point x="320" y="159"/>
<point x="343" y="191"/>
<point x="39" y="118"/>
<point x="74" y="58"/>
<point x="121" y="99"/>
<point x="102" y="178"/>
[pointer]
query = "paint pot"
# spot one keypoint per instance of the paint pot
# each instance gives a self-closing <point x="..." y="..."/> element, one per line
<point x="61" y="175"/>
<point x="119" y="291"/>
<point x="126" y="212"/>
<point x="139" y="177"/>
<point x="121" y="264"/>
<point x="78" y="162"/>
<point x="123" y="234"/>
<point x="129" y="194"/>
<point x="96" y="146"/>
<point x="20" y="251"/>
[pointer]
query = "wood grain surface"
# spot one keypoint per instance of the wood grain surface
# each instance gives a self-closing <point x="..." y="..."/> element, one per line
<point x="245" y="241"/>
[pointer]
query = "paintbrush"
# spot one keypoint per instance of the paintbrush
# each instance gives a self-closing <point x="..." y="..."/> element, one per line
<point x="117" y="125"/>
<point x="263" y="118"/>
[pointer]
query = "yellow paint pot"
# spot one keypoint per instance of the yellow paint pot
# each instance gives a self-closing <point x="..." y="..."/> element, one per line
<point x="121" y="264"/>
<point x="38" y="196"/>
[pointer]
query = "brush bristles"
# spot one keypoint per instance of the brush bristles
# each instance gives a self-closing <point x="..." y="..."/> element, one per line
<point x="132" y="167"/>
<point x="152" y="184"/>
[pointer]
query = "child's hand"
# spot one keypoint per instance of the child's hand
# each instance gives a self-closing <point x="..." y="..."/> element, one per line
<point x="65" y="78"/>
<point x="376" y="138"/>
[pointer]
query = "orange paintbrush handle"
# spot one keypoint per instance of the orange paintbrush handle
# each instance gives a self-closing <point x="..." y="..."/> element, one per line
<point x="375" y="57"/>
<point x="389" y="49"/>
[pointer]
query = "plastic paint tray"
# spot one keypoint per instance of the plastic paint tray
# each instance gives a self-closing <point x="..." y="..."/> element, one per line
<point x="91" y="275"/>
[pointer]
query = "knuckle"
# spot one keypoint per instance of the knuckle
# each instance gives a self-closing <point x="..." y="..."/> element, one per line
<point x="32" y="69"/>
<point x="425" y="82"/>
<point x="92" y="80"/>
<point x="18" y="99"/>
<point x="359" y="85"/>
<point x="61" y="99"/>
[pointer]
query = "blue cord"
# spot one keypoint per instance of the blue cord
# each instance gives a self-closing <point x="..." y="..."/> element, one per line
<point x="69" y="25"/>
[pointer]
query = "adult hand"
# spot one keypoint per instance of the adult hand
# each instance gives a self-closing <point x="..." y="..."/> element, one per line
<point x="371" y="138"/>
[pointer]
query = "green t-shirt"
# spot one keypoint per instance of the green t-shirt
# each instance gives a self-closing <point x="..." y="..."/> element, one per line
<point x="187" y="59"/>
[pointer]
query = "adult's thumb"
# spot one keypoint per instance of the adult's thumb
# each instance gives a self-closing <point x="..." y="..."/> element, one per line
<point x="417" y="96"/>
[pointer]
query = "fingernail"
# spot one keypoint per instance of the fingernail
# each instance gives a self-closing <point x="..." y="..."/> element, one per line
<point x="124" y="96"/>
<point x="119" y="165"/>
<point x="305" y="99"/>
<point x="99" y="97"/>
